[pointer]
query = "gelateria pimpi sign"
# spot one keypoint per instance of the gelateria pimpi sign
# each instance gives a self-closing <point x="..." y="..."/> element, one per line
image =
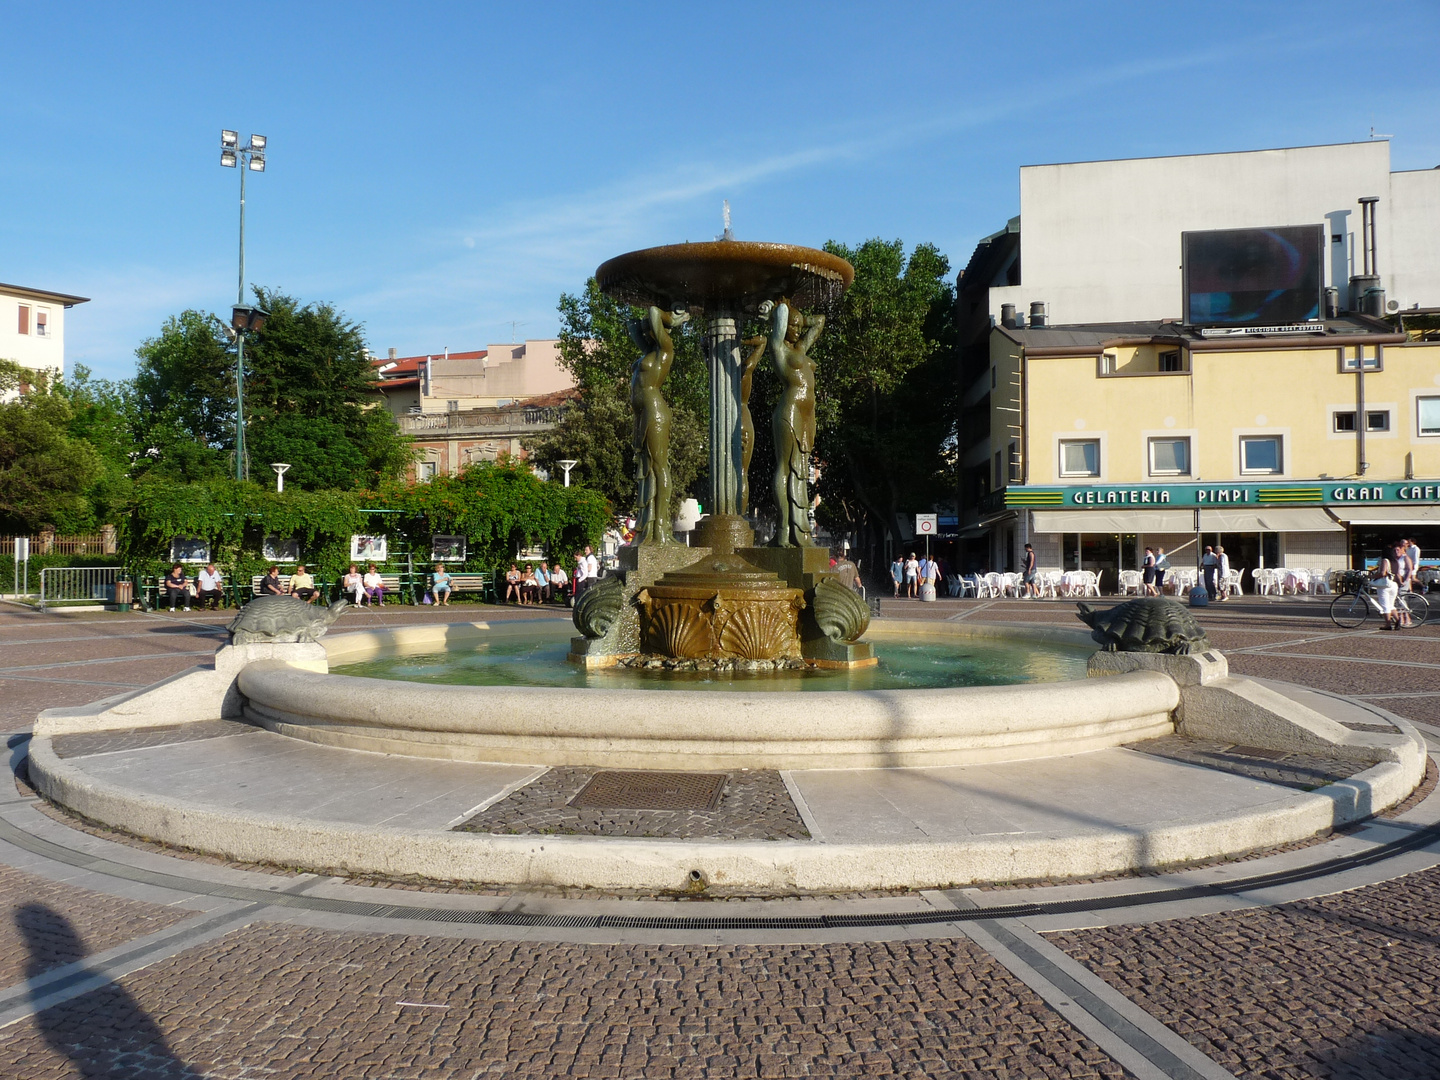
<point x="1303" y="493"/>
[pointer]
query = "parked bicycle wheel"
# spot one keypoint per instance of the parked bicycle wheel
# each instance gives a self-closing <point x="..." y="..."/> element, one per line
<point x="1349" y="610"/>
<point x="1416" y="605"/>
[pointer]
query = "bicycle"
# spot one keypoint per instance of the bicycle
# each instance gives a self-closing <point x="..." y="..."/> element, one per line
<point x="1349" y="609"/>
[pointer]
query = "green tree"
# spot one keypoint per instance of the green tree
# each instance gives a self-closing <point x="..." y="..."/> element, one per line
<point x="595" y="347"/>
<point x="885" y="391"/>
<point x="104" y="415"/>
<point x="184" y="395"/>
<point x="44" y="470"/>
<point x="310" y="400"/>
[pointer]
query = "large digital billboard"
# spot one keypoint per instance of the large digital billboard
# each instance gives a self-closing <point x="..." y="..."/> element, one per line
<point x="1253" y="277"/>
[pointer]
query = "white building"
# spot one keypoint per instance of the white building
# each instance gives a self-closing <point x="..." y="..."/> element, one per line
<point x="1100" y="240"/>
<point x="32" y="327"/>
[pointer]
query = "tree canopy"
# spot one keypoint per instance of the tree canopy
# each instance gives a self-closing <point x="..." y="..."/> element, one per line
<point x="45" y="470"/>
<point x="596" y="349"/>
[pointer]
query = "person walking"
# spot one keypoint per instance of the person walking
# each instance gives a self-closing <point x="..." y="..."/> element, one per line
<point x="897" y="574"/>
<point x="1147" y="569"/>
<point x="1386" y="589"/>
<point x="1210" y="566"/>
<point x="592" y="567"/>
<point x="1162" y="567"/>
<point x="1027" y="575"/>
<point x="912" y="576"/>
<point x="1224" y="572"/>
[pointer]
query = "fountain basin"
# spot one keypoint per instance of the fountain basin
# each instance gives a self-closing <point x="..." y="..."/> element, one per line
<point x="729" y="275"/>
<point x="696" y="730"/>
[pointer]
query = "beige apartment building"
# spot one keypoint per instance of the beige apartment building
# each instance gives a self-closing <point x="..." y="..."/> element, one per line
<point x="464" y="407"/>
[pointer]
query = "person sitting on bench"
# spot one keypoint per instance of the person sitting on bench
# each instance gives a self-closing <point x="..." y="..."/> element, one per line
<point x="441" y="585"/>
<point x="270" y="584"/>
<point x="353" y="586"/>
<point x="210" y="586"/>
<point x="177" y="587"/>
<point x="303" y="585"/>
<point x="374" y="586"/>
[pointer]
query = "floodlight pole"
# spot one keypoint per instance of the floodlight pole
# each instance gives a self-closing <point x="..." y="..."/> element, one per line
<point x="241" y="157"/>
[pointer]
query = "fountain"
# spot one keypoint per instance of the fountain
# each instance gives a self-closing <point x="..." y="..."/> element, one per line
<point x="725" y="600"/>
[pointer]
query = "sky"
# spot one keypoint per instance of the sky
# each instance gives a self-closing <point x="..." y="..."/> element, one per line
<point x="440" y="172"/>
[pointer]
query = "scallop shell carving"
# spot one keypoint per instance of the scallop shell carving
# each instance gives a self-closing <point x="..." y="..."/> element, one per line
<point x="598" y="607"/>
<point x="678" y="630"/>
<point x="841" y="614"/>
<point x="760" y="632"/>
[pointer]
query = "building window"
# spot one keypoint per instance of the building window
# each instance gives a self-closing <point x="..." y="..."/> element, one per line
<point x="452" y="406"/>
<point x="425" y="471"/>
<point x="1428" y="415"/>
<point x="24" y="318"/>
<point x="1169" y="457"/>
<point x="1261" y="454"/>
<point x="1170" y="360"/>
<point x="42" y="323"/>
<point x="1079" y="457"/>
<point x="1374" y="421"/>
<point x="1350" y="358"/>
<point x="999" y="471"/>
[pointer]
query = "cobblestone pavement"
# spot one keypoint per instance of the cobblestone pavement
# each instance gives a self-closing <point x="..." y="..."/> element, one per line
<point x="754" y="805"/>
<point x="1342" y="985"/>
<point x="334" y="1005"/>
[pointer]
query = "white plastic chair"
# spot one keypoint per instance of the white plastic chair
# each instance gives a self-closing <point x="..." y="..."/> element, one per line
<point x="1131" y="581"/>
<point x="1319" y="581"/>
<point x="991" y="584"/>
<point x="1010" y="585"/>
<point x="1050" y="583"/>
<point x="1232" y="582"/>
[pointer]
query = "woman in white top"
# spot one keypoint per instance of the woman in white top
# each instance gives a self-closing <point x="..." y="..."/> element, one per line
<point x="374" y="586"/>
<point x="912" y="575"/>
<point x="1386" y="590"/>
<point x="1224" y="571"/>
<point x="353" y="586"/>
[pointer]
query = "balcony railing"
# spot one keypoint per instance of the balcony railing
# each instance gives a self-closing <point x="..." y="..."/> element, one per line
<point x="488" y="421"/>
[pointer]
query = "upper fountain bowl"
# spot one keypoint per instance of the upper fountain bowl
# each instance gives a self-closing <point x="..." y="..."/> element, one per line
<point x="725" y="275"/>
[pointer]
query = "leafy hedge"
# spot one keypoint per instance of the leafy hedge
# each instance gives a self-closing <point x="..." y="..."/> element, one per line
<point x="497" y="506"/>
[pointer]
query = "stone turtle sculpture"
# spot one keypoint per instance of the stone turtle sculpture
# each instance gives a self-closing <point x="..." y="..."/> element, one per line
<point x="1150" y="624"/>
<point x="283" y="618"/>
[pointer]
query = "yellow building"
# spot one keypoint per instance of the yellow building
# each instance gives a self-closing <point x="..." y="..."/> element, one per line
<point x="1291" y="449"/>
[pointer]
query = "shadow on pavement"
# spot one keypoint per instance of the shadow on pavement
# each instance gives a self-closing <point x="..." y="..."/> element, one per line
<point x="104" y="1033"/>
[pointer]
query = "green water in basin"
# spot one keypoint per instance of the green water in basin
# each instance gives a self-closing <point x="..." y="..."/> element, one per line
<point x="536" y="657"/>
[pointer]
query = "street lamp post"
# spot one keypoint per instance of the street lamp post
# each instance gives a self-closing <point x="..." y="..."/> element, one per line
<point x="279" y="467"/>
<point x="567" y="466"/>
<point x="248" y="158"/>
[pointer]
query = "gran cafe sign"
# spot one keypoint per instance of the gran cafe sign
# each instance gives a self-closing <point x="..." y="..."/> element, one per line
<point x="1306" y="493"/>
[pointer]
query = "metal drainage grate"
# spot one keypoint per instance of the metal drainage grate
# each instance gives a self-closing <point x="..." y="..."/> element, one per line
<point x="651" y="791"/>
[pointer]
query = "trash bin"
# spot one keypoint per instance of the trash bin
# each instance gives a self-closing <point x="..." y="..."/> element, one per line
<point x="122" y="596"/>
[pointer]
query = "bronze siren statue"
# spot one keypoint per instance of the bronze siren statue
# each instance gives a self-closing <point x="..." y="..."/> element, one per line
<point x="756" y="345"/>
<point x="652" y="421"/>
<point x="794" y="422"/>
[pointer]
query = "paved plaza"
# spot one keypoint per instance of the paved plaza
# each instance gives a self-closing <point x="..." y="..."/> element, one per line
<point x="125" y="959"/>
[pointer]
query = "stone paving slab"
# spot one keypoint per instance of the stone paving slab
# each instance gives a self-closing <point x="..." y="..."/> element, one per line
<point x="1077" y="795"/>
<point x="1287" y="769"/>
<point x="263" y="771"/>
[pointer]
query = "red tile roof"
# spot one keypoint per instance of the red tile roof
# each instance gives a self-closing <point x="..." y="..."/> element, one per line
<point x="402" y="366"/>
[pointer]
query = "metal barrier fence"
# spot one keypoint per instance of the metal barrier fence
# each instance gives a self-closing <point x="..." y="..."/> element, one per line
<point x="61" y="583"/>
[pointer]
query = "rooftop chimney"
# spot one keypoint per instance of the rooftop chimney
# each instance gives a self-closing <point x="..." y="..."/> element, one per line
<point x="394" y="353"/>
<point x="1037" y="313"/>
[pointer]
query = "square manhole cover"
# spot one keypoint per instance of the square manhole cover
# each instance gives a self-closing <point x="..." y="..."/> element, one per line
<point x="651" y="791"/>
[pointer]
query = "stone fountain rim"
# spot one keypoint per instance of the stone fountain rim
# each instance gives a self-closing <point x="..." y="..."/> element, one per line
<point x="617" y="276"/>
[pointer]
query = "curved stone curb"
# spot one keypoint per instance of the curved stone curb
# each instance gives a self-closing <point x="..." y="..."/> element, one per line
<point x="760" y="867"/>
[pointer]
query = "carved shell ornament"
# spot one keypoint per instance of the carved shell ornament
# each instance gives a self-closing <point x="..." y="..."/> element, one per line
<point x="760" y="631"/>
<point x="680" y="630"/>
<point x="598" y="607"/>
<point x="841" y="614"/>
